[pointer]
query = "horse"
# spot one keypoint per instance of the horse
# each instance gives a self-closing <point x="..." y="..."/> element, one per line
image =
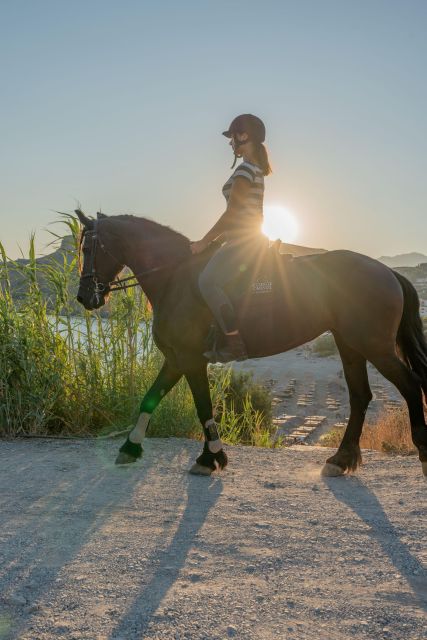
<point x="371" y="310"/>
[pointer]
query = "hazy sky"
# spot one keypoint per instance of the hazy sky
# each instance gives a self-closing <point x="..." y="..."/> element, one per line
<point x="120" y="105"/>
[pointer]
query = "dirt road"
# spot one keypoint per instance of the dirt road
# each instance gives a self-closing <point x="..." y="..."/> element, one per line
<point x="266" y="550"/>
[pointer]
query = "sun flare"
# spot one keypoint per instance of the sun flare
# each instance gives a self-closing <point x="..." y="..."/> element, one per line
<point x="279" y="222"/>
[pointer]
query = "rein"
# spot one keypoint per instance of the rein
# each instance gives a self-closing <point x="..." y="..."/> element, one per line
<point x="117" y="285"/>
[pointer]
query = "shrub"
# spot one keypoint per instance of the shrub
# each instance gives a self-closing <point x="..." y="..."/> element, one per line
<point x="242" y="408"/>
<point x="325" y="346"/>
<point x="390" y="433"/>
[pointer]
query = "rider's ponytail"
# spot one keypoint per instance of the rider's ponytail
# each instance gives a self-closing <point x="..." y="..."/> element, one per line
<point x="262" y="158"/>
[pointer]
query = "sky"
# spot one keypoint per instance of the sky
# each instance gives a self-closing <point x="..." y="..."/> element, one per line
<point x="121" y="105"/>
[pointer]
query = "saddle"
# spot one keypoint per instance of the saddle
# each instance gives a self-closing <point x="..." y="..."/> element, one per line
<point x="256" y="295"/>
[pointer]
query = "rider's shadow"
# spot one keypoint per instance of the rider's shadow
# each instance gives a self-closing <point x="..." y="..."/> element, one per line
<point x="202" y="494"/>
<point x="353" y="493"/>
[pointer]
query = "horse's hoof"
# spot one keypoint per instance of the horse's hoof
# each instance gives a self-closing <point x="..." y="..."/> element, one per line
<point x="200" y="470"/>
<point x="424" y="468"/>
<point x="125" y="458"/>
<point x="331" y="470"/>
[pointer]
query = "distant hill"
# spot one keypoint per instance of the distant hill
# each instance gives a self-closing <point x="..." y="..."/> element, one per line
<point x="19" y="281"/>
<point x="404" y="260"/>
<point x="297" y="250"/>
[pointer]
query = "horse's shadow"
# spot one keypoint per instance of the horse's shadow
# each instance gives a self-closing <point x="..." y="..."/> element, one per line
<point x="352" y="492"/>
<point x="202" y="494"/>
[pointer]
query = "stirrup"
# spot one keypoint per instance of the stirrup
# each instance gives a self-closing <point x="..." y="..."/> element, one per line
<point x="211" y="356"/>
<point x="234" y="349"/>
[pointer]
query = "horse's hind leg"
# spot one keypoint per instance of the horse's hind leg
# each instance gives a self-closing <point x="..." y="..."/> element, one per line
<point x="407" y="382"/>
<point x="348" y="457"/>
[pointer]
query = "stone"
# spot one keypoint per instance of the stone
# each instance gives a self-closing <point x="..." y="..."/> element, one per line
<point x="16" y="600"/>
<point x="194" y="577"/>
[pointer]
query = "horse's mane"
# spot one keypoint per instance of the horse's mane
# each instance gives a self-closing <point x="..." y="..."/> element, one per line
<point x="164" y="239"/>
<point x="152" y="227"/>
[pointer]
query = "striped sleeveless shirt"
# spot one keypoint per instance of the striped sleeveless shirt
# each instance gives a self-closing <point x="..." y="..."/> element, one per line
<point x="249" y="219"/>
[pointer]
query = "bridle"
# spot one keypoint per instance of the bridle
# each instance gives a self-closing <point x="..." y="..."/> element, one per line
<point x="101" y="288"/>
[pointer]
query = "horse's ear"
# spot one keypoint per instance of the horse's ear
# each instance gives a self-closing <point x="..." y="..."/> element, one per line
<point x="100" y="215"/>
<point x="86" y="222"/>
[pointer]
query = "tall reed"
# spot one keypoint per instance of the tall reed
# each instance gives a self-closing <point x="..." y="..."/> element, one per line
<point x="62" y="372"/>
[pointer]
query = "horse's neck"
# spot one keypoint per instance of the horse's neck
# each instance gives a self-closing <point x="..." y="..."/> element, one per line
<point x="153" y="261"/>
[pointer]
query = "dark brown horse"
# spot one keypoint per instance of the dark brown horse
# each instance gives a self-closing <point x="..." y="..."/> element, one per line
<point x="372" y="311"/>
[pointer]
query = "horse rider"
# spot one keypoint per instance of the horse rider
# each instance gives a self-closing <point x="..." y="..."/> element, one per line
<point x="239" y="228"/>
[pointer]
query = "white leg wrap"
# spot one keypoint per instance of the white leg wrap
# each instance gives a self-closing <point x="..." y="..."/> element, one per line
<point x="137" y="434"/>
<point x="214" y="445"/>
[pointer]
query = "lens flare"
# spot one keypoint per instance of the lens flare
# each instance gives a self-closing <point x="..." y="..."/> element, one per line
<point x="279" y="222"/>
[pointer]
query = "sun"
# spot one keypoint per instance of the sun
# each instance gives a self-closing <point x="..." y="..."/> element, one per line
<point x="279" y="222"/>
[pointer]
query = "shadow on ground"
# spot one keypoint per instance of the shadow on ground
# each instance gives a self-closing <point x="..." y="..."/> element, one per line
<point x="51" y="506"/>
<point x="352" y="492"/>
<point x="202" y="494"/>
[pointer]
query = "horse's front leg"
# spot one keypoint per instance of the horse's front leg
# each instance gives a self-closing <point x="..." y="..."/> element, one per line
<point x="167" y="378"/>
<point x="213" y="456"/>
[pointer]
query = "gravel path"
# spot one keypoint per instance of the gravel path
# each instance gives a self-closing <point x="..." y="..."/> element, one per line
<point x="266" y="550"/>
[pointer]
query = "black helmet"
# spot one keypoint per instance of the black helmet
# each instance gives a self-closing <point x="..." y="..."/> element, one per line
<point x="247" y="123"/>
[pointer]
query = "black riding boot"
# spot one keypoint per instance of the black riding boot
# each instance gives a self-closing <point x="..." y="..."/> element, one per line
<point x="234" y="349"/>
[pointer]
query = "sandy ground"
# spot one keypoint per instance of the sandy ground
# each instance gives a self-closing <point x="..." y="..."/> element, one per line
<point x="265" y="550"/>
<point x="310" y="394"/>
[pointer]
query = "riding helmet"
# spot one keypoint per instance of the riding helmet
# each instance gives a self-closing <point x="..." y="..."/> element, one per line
<point x="247" y="123"/>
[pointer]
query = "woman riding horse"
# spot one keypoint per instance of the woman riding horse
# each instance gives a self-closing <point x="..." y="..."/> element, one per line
<point x="239" y="226"/>
<point x="372" y="311"/>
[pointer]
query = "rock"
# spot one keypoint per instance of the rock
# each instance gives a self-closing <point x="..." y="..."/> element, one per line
<point x="194" y="577"/>
<point x="231" y="630"/>
<point x="31" y="584"/>
<point x="16" y="600"/>
<point x="270" y="485"/>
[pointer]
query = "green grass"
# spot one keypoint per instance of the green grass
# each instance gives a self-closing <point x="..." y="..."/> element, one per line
<point x="68" y="374"/>
<point x="242" y="408"/>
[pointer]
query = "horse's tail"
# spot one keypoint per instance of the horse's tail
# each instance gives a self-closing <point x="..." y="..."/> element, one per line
<point x="410" y="335"/>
